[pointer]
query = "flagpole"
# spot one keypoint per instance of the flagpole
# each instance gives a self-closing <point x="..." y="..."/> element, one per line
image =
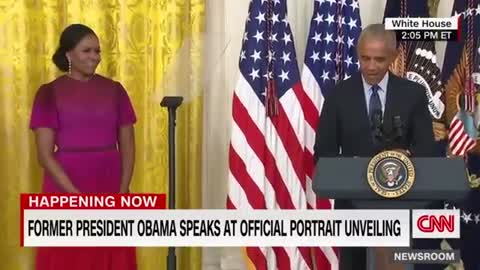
<point x="172" y="103"/>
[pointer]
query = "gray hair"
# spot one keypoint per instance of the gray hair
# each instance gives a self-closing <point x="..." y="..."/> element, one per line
<point x="377" y="31"/>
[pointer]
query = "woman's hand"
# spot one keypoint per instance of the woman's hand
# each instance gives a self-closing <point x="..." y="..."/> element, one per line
<point x="45" y="138"/>
<point x="126" y="143"/>
<point x="74" y="191"/>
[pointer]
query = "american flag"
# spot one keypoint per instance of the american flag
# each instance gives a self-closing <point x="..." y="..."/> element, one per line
<point x="456" y="73"/>
<point x="458" y="69"/>
<point x="469" y="220"/>
<point x="470" y="98"/>
<point x="471" y="38"/>
<point x="330" y="56"/>
<point x="462" y="133"/>
<point x="270" y="114"/>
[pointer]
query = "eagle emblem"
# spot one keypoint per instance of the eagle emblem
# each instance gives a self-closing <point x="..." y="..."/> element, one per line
<point x="391" y="173"/>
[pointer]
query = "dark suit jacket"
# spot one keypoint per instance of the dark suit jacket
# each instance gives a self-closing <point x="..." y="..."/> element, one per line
<point x="344" y="122"/>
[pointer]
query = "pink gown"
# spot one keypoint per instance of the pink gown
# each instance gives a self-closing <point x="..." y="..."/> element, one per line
<point x="85" y="116"/>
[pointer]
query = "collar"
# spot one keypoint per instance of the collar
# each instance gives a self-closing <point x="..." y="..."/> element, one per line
<point x="382" y="84"/>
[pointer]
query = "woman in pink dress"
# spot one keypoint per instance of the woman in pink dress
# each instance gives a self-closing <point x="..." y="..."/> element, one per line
<point x="83" y="124"/>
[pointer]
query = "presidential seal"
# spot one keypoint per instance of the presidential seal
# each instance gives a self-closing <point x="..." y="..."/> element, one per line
<point x="390" y="174"/>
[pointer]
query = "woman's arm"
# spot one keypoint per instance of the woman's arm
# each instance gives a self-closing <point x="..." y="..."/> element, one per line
<point x="45" y="138"/>
<point x="126" y="140"/>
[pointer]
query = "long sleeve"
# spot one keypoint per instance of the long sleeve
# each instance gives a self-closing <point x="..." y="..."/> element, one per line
<point x="326" y="140"/>
<point x="423" y="140"/>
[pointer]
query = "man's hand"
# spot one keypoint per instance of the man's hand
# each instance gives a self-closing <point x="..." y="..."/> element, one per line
<point x="439" y="131"/>
<point x="403" y="151"/>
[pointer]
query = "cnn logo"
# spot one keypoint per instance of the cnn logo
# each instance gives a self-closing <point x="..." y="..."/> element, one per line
<point x="436" y="223"/>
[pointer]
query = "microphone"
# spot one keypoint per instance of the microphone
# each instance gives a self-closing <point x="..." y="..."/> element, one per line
<point x="398" y="127"/>
<point x="377" y="124"/>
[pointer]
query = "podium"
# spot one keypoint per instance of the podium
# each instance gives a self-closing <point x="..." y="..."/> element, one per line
<point x="436" y="179"/>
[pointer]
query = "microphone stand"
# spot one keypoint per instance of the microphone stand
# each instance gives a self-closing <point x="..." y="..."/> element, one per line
<point x="377" y="131"/>
<point x="397" y="139"/>
<point x="172" y="103"/>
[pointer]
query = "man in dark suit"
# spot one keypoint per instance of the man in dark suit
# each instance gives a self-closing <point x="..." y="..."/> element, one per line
<point x="345" y="126"/>
<point x="373" y="101"/>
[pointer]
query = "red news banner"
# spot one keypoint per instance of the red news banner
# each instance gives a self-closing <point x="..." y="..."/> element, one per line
<point x="64" y="227"/>
<point x="143" y="220"/>
<point x="93" y="201"/>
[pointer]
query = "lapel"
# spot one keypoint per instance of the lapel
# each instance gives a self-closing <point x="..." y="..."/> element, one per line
<point x="361" y="105"/>
<point x="392" y="94"/>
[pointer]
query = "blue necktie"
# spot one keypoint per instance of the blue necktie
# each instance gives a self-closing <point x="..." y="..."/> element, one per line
<point x="374" y="103"/>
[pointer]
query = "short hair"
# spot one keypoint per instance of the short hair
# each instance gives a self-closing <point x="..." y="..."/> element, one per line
<point x="69" y="38"/>
<point x="377" y="31"/>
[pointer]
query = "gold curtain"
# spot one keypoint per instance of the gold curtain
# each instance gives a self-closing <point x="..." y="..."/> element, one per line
<point x="139" y="40"/>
